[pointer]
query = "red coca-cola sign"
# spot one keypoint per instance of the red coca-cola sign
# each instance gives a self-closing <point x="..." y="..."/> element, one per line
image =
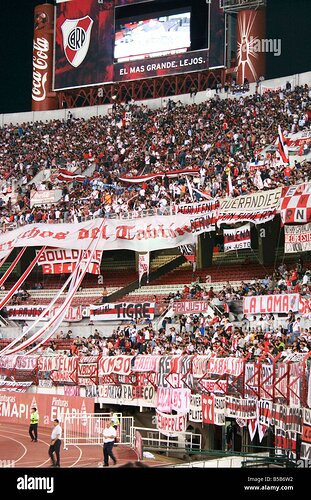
<point x="42" y="96"/>
<point x="40" y="68"/>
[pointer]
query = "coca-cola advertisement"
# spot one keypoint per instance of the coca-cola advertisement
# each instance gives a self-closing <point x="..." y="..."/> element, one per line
<point x="42" y="73"/>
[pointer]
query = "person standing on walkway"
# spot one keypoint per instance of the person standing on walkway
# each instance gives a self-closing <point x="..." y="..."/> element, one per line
<point x="34" y="421"/>
<point x="56" y="442"/>
<point x="109" y="434"/>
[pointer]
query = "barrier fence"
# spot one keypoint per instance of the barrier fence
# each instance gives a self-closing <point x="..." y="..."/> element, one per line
<point x="154" y="439"/>
<point x="88" y="428"/>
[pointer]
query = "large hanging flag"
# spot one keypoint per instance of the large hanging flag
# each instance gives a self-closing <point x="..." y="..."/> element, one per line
<point x="282" y="146"/>
<point x="237" y="239"/>
<point x="296" y="204"/>
<point x="189" y="252"/>
<point x="143" y="266"/>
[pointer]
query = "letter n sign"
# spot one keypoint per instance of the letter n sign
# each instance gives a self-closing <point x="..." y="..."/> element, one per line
<point x="300" y="215"/>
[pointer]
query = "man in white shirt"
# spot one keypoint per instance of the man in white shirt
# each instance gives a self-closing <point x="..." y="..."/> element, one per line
<point x="55" y="445"/>
<point x="109" y="434"/>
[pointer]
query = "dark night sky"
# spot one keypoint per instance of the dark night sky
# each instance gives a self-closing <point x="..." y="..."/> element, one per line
<point x="289" y="20"/>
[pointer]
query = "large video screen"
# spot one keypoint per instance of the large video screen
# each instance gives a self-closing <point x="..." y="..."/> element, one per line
<point x="165" y="34"/>
<point x="98" y="42"/>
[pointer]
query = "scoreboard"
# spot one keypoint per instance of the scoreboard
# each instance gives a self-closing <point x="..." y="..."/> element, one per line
<point x="98" y="41"/>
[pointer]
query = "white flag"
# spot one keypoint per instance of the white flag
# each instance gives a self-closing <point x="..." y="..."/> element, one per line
<point x="143" y="266"/>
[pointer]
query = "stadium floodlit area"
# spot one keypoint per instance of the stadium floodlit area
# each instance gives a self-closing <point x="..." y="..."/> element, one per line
<point x="156" y="263"/>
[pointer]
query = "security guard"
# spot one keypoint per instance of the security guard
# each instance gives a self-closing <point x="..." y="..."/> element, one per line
<point x="115" y="422"/>
<point x="33" y="428"/>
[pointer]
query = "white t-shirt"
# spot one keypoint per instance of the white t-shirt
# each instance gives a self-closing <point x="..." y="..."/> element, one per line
<point x="109" y="431"/>
<point x="56" y="432"/>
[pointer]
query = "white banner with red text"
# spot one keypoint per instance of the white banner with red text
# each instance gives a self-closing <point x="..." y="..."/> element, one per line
<point x="32" y="312"/>
<point x="297" y="238"/>
<point x="171" y="425"/>
<point x="62" y="260"/>
<point x="264" y="304"/>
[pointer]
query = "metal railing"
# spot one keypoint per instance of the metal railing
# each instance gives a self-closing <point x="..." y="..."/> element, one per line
<point x="87" y="428"/>
<point x="154" y="439"/>
<point x="236" y="5"/>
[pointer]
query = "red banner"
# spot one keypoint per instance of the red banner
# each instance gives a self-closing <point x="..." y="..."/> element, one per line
<point x="208" y="411"/>
<point x="42" y="73"/>
<point x="296" y="204"/>
<point x="15" y="408"/>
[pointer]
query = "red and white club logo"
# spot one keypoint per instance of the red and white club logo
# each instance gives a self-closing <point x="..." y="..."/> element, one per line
<point x="76" y="39"/>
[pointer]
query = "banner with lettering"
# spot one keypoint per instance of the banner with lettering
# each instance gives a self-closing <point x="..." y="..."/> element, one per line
<point x="285" y="443"/>
<point x="169" y="399"/>
<point x="87" y="370"/>
<point x="264" y="304"/>
<point x="171" y="425"/>
<point x="195" y="408"/>
<point x="121" y="365"/>
<point x="13" y="386"/>
<point x="306" y="429"/>
<point x="31" y="312"/>
<point x="241" y="408"/>
<point x="297" y="238"/>
<point x="61" y="368"/>
<point x="123" y="394"/>
<point x="237" y="239"/>
<point x="128" y="311"/>
<point x="141" y="235"/>
<point x="257" y="207"/>
<point x="15" y="408"/>
<point x="62" y="260"/>
<point x="213" y="409"/>
<point x="230" y="366"/>
<point x="264" y="415"/>
<point x="191" y="307"/>
<point x="148" y="363"/>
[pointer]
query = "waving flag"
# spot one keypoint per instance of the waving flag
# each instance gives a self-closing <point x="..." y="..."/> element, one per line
<point x="229" y="185"/>
<point x="283" y="149"/>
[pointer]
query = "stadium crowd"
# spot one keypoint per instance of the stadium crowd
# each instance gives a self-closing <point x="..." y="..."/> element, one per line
<point x="285" y="279"/>
<point x="217" y="136"/>
<point x="196" y="334"/>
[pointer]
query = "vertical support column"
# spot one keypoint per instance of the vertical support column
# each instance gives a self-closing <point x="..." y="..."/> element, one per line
<point x="42" y="74"/>
<point x="268" y="240"/>
<point x="251" y="45"/>
<point x="205" y="247"/>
